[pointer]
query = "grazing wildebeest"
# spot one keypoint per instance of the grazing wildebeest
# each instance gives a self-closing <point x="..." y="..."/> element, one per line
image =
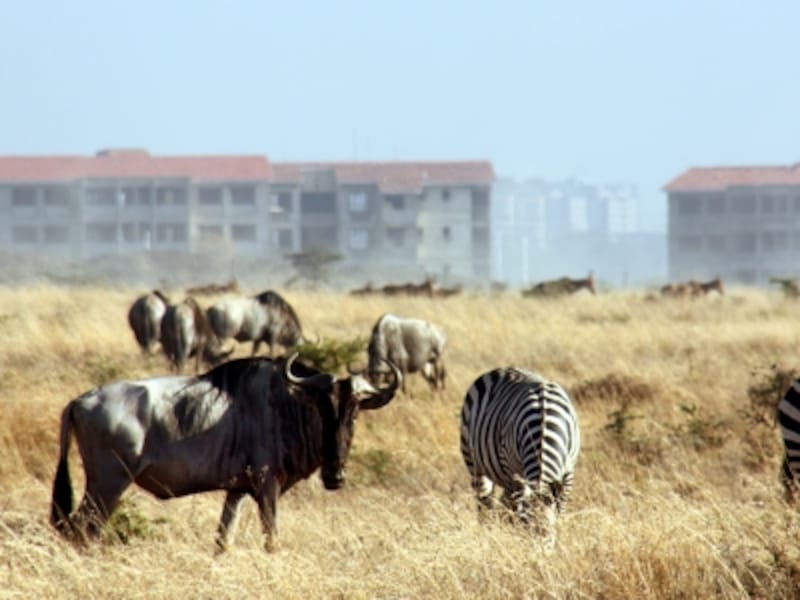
<point x="185" y="332"/>
<point x="145" y="316"/>
<point x="214" y="288"/>
<point x="411" y="344"/>
<point x="561" y="287"/>
<point x="426" y="288"/>
<point x="251" y="426"/>
<point x="266" y="317"/>
<point x="789" y="286"/>
<point x="701" y="288"/>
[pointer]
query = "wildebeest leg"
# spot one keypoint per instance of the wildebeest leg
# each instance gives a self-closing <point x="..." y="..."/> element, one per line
<point x="106" y="479"/>
<point x="256" y="345"/>
<point x="267" y="498"/>
<point x="227" y="522"/>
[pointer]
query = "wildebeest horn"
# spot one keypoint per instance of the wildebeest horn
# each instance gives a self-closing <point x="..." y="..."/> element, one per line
<point x="319" y="381"/>
<point x="385" y="394"/>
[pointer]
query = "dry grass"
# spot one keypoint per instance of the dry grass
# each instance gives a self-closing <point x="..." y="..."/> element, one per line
<point x="677" y="491"/>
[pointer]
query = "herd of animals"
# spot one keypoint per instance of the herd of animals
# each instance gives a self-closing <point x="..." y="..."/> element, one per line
<point x="255" y="426"/>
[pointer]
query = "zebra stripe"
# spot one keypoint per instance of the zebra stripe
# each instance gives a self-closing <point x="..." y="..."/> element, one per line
<point x="789" y="420"/>
<point x="520" y="431"/>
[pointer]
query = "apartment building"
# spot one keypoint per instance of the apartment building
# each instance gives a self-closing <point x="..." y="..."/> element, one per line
<point x="411" y="217"/>
<point x="739" y="223"/>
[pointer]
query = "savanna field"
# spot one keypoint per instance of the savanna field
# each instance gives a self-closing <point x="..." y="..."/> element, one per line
<point x="677" y="493"/>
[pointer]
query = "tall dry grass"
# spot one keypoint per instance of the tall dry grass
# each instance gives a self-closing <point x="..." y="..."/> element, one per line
<point x="676" y="494"/>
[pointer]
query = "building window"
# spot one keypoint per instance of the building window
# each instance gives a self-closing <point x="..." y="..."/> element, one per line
<point x="318" y="203"/>
<point x="743" y="204"/>
<point x="56" y="196"/>
<point x="774" y="241"/>
<point x="396" y="202"/>
<point x="243" y="233"/>
<point x="716" y="243"/>
<point x="744" y="242"/>
<point x="480" y="205"/>
<point x="209" y="233"/>
<point x="688" y="205"/>
<point x="135" y="196"/>
<point x="480" y="236"/>
<point x="447" y="234"/>
<point x="23" y="196"/>
<point x="359" y="239"/>
<point x="171" y="196"/>
<point x="56" y="234"/>
<point x="357" y="202"/>
<point x="715" y="205"/>
<point x="243" y="195"/>
<point x="282" y="203"/>
<point x="101" y="196"/>
<point x="24" y="234"/>
<point x="396" y="235"/>
<point x="774" y="203"/>
<point x="209" y="196"/>
<point x="690" y="243"/>
<point x="171" y="232"/>
<point x="283" y="239"/>
<point x="101" y="232"/>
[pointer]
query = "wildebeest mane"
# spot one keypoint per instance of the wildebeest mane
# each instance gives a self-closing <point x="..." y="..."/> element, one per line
<point x="272" y="299"/>
<point x="227" y="376"/>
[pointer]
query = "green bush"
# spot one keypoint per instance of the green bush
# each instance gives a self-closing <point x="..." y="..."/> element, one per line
<point x="332" y="355"/>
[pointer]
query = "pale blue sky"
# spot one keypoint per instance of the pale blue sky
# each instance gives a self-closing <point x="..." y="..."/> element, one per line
<point x="629" y="91"/>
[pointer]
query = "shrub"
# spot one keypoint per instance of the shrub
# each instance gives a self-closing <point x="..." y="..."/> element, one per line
<point x="331" y="355"/>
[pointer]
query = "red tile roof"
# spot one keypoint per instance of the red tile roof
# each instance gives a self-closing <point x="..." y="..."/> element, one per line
<point x="720" y="178"/>
<point x="394" y="176"/>
<point x="133" y="164"/>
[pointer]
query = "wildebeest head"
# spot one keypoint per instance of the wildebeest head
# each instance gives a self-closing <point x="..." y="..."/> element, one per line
<point x="338" y="400"/>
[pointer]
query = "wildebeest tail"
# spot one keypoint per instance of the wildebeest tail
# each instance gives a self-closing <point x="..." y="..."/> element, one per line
<point x="61" y="506"/>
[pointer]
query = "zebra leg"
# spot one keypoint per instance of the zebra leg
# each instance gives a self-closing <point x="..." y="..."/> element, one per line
<point x="227" y="522"/>
<point x="561" y="491"/>
<point x="790" y="484"/>
<point x="484" y="488"/>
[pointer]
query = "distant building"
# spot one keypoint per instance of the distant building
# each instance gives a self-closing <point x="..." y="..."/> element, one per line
<point x="739" y="223"/>
<point x="418" y="217"/>
<point x="546" y="229"/>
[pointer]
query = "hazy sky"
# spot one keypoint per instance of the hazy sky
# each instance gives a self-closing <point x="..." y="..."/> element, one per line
<point x="613" y="91"/>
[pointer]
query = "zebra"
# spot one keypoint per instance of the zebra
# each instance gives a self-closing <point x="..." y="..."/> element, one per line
<point x="520" y="431"/>
<point x="789" y="420"/>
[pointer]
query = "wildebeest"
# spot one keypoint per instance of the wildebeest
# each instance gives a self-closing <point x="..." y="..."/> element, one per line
<point x="411" y="344"/>
<point x="214" y="288"/>
<point x="701" y="288"/>
<point x="251" y="426"/>
<point x="678" y="290"/>
<point x="185" y="332"/>
<point x="560" y="287"/>
<point x="265" y="317"/>
<point x="426" y="288"/>
<point x="145" y="316"/>
<point x="789" y="286"/>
